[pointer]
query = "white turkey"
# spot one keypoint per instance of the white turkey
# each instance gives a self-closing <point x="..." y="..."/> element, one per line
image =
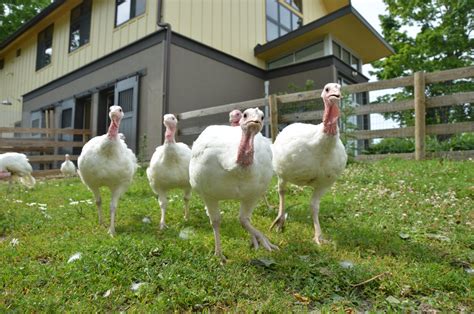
<point x="67" y="167"/>
<point x="107" y="161"/>
<point x="16" y="167"/>
<point x="234" y="117"/>
<point x="233" y="163"/>
<point x="169" y="168"/>
<point x="310" y="155"/>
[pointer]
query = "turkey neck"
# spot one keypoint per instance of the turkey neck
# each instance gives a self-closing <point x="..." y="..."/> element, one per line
<point x="330" y="116"/>
<point x="113" y="129"/>
<point x="169" y="135"/>
<point x="245" y="153"/>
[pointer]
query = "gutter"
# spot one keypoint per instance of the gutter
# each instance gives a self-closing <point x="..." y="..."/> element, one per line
<point x="166" y="58"/>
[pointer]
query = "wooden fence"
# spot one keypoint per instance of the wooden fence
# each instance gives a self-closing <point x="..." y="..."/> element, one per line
<point x="43" y="146"/>
<point x="419" y="103"/>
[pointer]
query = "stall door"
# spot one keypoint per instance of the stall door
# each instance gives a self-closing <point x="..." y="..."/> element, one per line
<point x="66" y="114"/>
<point x="126" y="96"/>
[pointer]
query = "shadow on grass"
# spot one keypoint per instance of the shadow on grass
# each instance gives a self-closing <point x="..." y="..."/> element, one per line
<point x="386" y="243"/>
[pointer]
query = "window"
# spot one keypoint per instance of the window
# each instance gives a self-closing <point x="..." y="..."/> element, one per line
<point x="80" y="25"/>
<point x="311" y="52"/>
<point x="289" y="59"/>
<point x="355" y="63"/>
<point x="283" y="16"/>
<point x="2" y="63"/>
<point x="345" y="56"/>
<point x="336" y="50"/>
<point x="66" y="118"/>
<point x="128" y="9"/>
<point x="44" y="50"/>
<point x="18" y="52"/>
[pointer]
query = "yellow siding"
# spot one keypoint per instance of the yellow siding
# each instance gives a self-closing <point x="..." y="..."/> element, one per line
<point x="232" y="26"/>
<point x="19" y="77"/>
<point x="313" y="10"/>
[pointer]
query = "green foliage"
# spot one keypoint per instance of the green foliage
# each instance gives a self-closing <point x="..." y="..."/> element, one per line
<point x="407" y="220"/>
<point x="463" y="141"/>
<point x="14" y="13"/>
<point x="443" y="42"/>
<point x="392" y="146"/>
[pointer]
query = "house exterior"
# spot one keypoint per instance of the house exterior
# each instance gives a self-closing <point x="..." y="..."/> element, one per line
<point x="66" y="66"/>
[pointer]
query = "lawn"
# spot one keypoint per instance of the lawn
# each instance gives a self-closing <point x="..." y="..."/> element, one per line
<point x="400" y="238"/>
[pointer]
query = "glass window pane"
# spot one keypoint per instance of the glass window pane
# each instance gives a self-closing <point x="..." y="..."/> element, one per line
<point x="355" y="63"/>
<point x="35" y="123"/>
<point x="296" y="22"/>
<point x="140" y="7"/>
<point x="285" y="17"/>
<point x="272" y="31"/>
<point x="336" y="50"/>
<point x="346" y="56"/>
<point x="75" y="39"/>
<point x="281" y="62"/>
<point x="297" y="4"/>
<point x="66" y="118"/>
<point x="272" y="9"/>
<point x="311" y="52"/>
<point x="123" y="11"/>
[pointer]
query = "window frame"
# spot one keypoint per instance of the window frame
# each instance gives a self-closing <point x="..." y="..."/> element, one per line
<point x="42" y="44"/>
<point x="84" y="20"/>
<point x="282" y="29"/>
<point x="132" y="12"/>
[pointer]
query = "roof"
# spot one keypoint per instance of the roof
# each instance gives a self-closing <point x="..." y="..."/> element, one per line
<point x="345" y="24"/>
<point x="35" y="20"/>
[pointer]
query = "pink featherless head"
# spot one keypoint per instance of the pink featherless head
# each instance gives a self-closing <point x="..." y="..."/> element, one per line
<point x="331" y="95"/>
<point x="234" y="117"/>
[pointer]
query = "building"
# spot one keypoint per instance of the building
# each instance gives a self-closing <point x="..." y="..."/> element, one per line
<point x="69" y="63"/>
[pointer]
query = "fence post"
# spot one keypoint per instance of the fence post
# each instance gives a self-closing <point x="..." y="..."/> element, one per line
<point x="420" y="118"/>
<point x="273" y="104"/>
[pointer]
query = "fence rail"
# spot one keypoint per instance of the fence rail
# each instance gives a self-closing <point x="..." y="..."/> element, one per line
<point x="43" y="146"/>
<point x="419" y="103"/>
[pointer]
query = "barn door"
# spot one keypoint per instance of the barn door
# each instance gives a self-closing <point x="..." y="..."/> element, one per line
<point x="66" y="113"/>
<point x="126" y="96"/>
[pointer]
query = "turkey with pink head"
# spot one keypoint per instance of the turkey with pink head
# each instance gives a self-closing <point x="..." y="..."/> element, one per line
<point x="310" y="155"/>
<point x="169" y="168"/>
<point x="106" y="160"/>
<point x="233" y="163"/>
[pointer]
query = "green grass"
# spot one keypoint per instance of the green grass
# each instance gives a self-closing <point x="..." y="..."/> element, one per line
<point x="384" y="218"/>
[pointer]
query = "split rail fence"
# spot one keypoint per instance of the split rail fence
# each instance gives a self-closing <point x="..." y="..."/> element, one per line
<point x="419" y="103"/>
<point x="44" y="147"/>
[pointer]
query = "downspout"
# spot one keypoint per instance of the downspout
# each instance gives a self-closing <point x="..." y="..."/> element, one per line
<point x="166" y="59"/>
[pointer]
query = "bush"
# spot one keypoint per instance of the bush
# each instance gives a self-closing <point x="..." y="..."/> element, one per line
<point x="463" y="141"/>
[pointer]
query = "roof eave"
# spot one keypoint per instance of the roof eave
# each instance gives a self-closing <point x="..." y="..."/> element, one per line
<point x="261" y="50"/>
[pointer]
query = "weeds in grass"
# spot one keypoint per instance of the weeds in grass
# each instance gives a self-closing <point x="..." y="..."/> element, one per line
<point x="400" y="240"/>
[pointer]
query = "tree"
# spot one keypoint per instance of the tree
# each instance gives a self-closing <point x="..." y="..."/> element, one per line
<point x="14" y="13"/>
<point x="444" y="41"/>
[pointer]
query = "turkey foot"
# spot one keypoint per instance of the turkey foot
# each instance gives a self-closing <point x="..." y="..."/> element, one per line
<point x="319" y="240"/>
<point x="279" y="223"/>
<point x="259" y="238"/>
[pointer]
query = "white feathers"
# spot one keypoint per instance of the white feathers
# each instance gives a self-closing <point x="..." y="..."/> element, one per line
<point x="233" y="163"/>
<point x="107" y="161"/>
<point x="74" y="257"/>
<point x="67" y="167"/>
<point x="304" y="155"/>
<point x="169" y="168"/>
<point x="18" y="167"/>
